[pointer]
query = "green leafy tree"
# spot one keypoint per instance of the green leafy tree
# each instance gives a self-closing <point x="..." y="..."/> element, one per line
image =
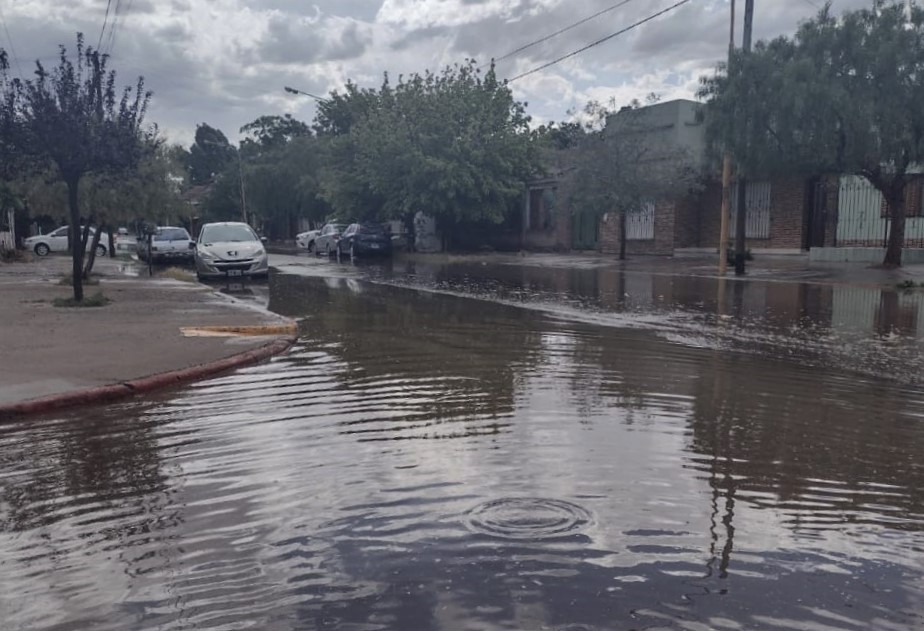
<point x="209" y="155"/>
<point x="338" y="113"/>
<point x="268" y="132"/>
<point x="152" y="193"/>
<point x="283" y="186"/>
<point x="72" y="120"/>
<point x="454" y="144"/>
<point x="842" y="96"/>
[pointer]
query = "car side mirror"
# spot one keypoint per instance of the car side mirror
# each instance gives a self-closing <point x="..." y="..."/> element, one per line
<point x="263" y="239"/>
<point x="192" y="245"/>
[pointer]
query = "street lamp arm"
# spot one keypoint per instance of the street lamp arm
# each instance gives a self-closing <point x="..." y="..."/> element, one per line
<point x="303" y="93"/>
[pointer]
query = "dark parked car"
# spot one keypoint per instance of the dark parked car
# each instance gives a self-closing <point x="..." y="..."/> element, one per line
<point x="363" y="240"/>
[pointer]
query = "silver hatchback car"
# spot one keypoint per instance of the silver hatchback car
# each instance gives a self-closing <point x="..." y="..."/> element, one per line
<point x="230" y="249"/>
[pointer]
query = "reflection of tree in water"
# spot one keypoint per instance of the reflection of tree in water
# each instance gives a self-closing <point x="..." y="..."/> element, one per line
<point x="442" y="359"/>
<point x="796" y="435"/>
<point x="109" y="458"/>
<point x="97" y="481"/>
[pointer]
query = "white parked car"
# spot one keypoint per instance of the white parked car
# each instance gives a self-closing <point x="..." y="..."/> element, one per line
<point x="230" y="249"/>
<point x="125" y="242"/>
<point x="305" y="240"/>
<point x="56" y="241"/>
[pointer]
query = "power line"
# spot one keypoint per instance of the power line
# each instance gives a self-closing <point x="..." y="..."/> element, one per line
<point x="10" y="40"/>
<point x="563" y="30"/>
<point x="99" y="44"/>
<point x="113" y="27"/>
<point x="599" y="41"/>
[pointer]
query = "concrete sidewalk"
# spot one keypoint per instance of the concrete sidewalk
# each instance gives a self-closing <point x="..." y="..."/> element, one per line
<point x="50" y="350"/>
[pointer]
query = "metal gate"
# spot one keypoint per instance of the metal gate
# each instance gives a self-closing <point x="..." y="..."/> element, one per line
<point x="757" y="225"/>
<point x="640" y="224"/>
<point x="585" y="230"/>
<point x="863" y="221"/>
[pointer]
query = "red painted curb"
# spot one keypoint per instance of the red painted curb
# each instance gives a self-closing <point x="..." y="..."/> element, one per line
<point x="103" y="394"/>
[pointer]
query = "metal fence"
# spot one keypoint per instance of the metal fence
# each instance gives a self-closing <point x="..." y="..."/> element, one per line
<point x="757" y="224"/>
<point x="861" y="220"/>
<point x="640" y="225"/>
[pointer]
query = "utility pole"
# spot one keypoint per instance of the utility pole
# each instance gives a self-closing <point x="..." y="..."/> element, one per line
<point x="240" y="173"/>
<point x="742" y="214"/>
<point x="726" y="170"/>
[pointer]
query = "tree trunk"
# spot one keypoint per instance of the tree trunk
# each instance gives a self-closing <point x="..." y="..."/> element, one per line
<point x="91" y="257"/>
<point x="622" y="235"/>
<point x="111" y="244"/>
<point x="896" y="200"/>
<point x="76" y="249"/>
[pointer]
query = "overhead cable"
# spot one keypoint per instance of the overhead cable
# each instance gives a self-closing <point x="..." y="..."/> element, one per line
<point x="600" y="41"/>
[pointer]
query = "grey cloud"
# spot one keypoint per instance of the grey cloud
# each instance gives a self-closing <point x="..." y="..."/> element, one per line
<point x="420" y="35"/>
<point x="230" y="80"/>
<point x="289" y="41"/>
<point x="364" y="10"/>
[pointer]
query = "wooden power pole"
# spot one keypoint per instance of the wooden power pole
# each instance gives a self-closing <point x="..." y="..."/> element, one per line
<point x="742" y="214"/>
<point x="726" y="170"/>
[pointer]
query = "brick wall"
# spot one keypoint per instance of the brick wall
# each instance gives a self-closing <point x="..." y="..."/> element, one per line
<point x="698" y="223"/>
<point x="788" y="206"/>
<point x="609" y="234"/>
<point x="557" y="237"/>
<point x="708" y="205"/>
<point x="687" y="220"/>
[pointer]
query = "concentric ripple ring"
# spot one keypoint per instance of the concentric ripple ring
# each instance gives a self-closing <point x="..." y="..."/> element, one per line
<point x="528" y="518"/>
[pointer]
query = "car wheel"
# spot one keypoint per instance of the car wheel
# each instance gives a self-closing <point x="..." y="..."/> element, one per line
<point x="101" y="250"/>
<point x="42" y="249"/>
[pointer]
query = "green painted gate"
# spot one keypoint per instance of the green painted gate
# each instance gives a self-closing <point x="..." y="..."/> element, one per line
<point x="585" y="230"/>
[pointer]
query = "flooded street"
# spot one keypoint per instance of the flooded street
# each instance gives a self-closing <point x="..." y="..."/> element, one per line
<point x="465" y="447"/>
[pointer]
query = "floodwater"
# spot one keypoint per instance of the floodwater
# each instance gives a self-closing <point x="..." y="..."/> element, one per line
<point x="504" y="449"/>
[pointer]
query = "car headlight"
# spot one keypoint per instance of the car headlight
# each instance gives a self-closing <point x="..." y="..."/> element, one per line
<point x="259" y="253"/>
<point x="205" y="255"/>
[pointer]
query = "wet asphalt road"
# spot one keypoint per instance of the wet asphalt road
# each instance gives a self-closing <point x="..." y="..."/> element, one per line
<point x="473" y="447"/>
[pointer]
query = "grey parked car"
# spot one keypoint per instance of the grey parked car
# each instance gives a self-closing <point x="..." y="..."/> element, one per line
<point x="230" y="249"/>
<point x="326" y="241"/>
<point x="168" y="244"/>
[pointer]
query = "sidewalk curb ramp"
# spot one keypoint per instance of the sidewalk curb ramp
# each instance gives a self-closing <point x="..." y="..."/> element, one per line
<point x="115" y="391"/>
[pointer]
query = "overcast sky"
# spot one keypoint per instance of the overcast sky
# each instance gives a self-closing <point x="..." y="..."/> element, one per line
<point x="225" y="62"/>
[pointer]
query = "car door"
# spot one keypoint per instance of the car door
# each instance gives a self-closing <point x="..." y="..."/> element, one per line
<point x="347" y="237"/>
<point x="57" y="240"/>
<point x="321" y="239"/>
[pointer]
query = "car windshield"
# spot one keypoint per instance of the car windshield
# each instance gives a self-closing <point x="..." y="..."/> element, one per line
<point x="171" y="234"/>
<point x="337" y="227"/>
<point x="234" y="233"/>
<point x="367" y="229"/>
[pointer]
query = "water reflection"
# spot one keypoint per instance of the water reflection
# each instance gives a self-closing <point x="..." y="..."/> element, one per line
<point x="423" y="461"/>
<point x="872" y="330"/>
